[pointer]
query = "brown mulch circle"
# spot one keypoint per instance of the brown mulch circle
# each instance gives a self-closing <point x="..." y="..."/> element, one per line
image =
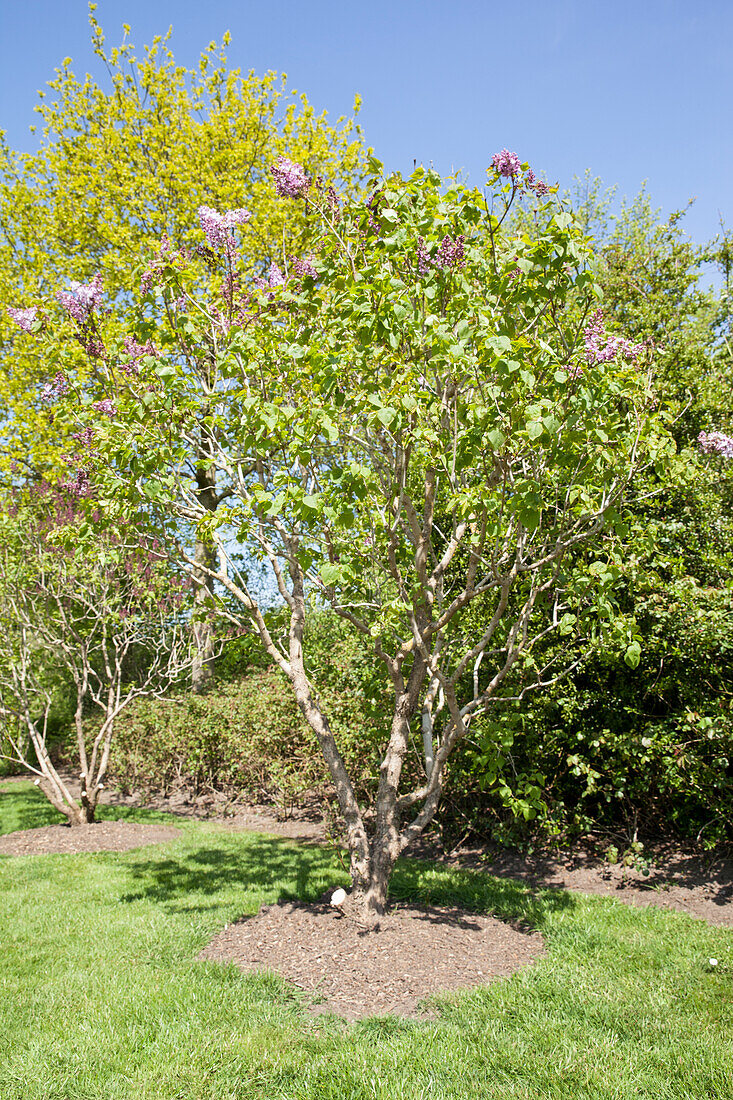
<point x="356" y="973"/>
<point x="103" y="836"/>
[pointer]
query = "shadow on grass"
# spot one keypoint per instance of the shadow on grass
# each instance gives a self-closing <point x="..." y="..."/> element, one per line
<point x="22" y="806"/>
<point x="261" y="864"/>
<point x="506" y="899"/>
<point x="301" y="873"/>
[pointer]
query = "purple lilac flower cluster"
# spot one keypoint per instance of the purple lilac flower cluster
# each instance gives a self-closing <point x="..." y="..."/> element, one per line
<point x="333" y="202"/>
<point x="373" y="208"/>
<point x="53" y="390"/>
<point x="81" y="484"/>
<point x="602" y="348"/>
<point x="107" y="407"/>
<point x="506" y="164"/>
<point x="450" y="253"/>
<point x="291" y="180"/>
<point x="136" y="351"/>
<point x="275" y="277"/>
<point x="151" y="273"/>
<point x="81" y="299"/>
<point x="86" y="438"/>
<point x="218" y="227"/>
<point x="305" y="268"/>
<point x="24" y="318"/>
<point x="538" y="186"/>
<point x="423" y="257"/>
<point x="716" y="443"/>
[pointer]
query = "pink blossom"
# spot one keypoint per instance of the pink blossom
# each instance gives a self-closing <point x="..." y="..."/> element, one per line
<point x="24" y="318"/>
<point x="81" y="299"/>
<point x="218" y="227"/>
<point x="506" y="163"/>
<point x="291" y="180"/>
<point x="107" y="407"/>
<point x="716" y="443"/>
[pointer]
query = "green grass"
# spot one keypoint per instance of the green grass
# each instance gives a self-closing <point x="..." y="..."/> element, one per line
<point x="101" y="997"/>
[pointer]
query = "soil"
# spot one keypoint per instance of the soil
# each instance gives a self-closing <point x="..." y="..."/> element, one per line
<point x="346" y="969"/>
<point x="686" y="881"/>
<point x="104" y="836"/>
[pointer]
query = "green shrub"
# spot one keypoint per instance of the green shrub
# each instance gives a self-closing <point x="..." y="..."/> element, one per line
<point x="245" y="739"/>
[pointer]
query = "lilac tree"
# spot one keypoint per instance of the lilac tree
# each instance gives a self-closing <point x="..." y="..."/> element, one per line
<point x="101" y="610"/>
<point x="421" y="423"/>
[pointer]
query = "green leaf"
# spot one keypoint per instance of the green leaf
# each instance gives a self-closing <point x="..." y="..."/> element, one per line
<point x="330" y="573"/>
<point x="500" y="344"/>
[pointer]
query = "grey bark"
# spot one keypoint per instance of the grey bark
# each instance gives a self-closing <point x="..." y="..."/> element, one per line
<point x="202" y="669"/>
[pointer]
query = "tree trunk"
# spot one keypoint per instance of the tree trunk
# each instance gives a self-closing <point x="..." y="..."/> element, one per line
<point x="89" y="799"/>
<point x="202" y="669"/>
<point x="62" y="802"/>
<point x="384" y="847"/>
<point x="381" y="865"/>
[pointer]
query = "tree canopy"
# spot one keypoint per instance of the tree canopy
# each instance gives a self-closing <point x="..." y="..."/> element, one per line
<point x="123" y="164"/>
<point x="422" y="422"/>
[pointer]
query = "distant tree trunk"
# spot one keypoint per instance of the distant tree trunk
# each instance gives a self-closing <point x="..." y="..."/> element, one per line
<point x="202" y="669"/>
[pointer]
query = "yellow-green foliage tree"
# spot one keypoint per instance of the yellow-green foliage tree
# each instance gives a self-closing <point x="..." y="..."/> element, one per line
<point x="122" y="165"/>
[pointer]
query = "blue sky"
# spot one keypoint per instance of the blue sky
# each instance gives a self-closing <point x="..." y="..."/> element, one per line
<point x="633" y="90"/>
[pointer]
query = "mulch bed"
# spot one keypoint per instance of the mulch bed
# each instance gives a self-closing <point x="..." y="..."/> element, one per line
<point x="685" y="882"/>
<point x="356" y="973"/>
<point x="104" y="836"/>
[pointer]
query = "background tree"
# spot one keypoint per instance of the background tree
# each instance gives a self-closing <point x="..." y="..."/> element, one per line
<point x="106" y="612"/>
<point x="121" y="168"/>
<point x="426" y="419"/>
<point x="639" y="751"/>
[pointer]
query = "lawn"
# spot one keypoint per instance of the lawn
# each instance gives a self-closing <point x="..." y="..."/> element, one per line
<point x="101" y="996"/>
